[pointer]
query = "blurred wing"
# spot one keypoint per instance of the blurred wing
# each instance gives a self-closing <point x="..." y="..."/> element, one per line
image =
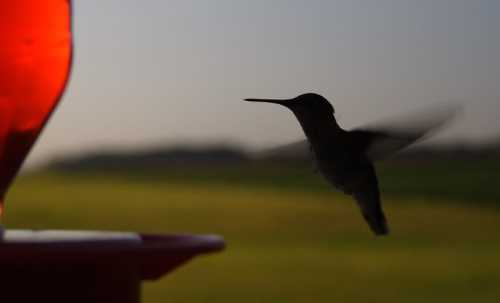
<point x="296" y="150"/>
<point x="380" y="144"/>
<point x="380" y="140"/>
<point x="383" y="140"/>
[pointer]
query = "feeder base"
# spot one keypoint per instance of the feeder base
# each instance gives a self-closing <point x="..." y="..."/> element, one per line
<point x="90" y="267"/>
<point x="63" y="284"/>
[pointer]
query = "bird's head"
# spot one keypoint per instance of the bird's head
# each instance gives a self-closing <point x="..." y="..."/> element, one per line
<point x="303" y="105"/>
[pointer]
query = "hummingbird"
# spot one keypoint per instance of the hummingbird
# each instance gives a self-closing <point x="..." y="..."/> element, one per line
<point x="346" y="158"/>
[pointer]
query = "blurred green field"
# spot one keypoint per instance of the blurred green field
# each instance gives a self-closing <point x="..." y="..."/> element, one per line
<point x="290" y="238"/>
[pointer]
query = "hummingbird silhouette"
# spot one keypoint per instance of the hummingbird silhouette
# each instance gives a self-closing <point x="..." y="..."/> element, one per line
<point x="345" y="158"/>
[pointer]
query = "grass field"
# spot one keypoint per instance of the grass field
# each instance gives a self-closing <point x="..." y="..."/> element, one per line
<point x="290" y="238"/>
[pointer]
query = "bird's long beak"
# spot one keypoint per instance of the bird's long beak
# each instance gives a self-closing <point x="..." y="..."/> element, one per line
<point x="284" y="102"/>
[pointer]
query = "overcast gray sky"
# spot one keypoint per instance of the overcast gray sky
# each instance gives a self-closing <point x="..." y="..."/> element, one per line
<point x="153" y="72"/>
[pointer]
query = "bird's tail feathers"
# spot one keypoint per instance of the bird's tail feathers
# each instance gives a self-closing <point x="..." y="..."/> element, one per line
<point x="377" y="223"/>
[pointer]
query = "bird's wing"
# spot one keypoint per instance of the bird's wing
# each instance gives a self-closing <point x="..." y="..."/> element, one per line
<point x="381" y="139"/>
<point x="299" y="149"/>
<point x="384" y="139"/>
<point x="380" y="144"/>
<point x="367" y="196"/>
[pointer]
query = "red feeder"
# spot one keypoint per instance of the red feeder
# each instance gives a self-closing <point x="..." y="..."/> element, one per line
<point x="35" y="58"/>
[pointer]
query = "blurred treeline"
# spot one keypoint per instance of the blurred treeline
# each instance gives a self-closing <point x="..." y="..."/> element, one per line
<point x="466" y="173"/>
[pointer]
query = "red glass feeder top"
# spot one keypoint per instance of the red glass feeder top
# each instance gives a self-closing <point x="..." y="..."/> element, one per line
<point x="35" y="56"/>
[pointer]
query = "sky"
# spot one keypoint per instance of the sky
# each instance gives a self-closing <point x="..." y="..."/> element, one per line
<point x="160" y="72"/>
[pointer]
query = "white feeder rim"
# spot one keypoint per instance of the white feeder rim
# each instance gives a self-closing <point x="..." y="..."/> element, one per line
<point x="67" y="236"/>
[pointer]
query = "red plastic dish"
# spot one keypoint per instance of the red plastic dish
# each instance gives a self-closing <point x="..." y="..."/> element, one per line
<point x="93" y="271"/>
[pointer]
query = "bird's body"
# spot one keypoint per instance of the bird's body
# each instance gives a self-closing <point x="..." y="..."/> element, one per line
<point x="345" y="158"/>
